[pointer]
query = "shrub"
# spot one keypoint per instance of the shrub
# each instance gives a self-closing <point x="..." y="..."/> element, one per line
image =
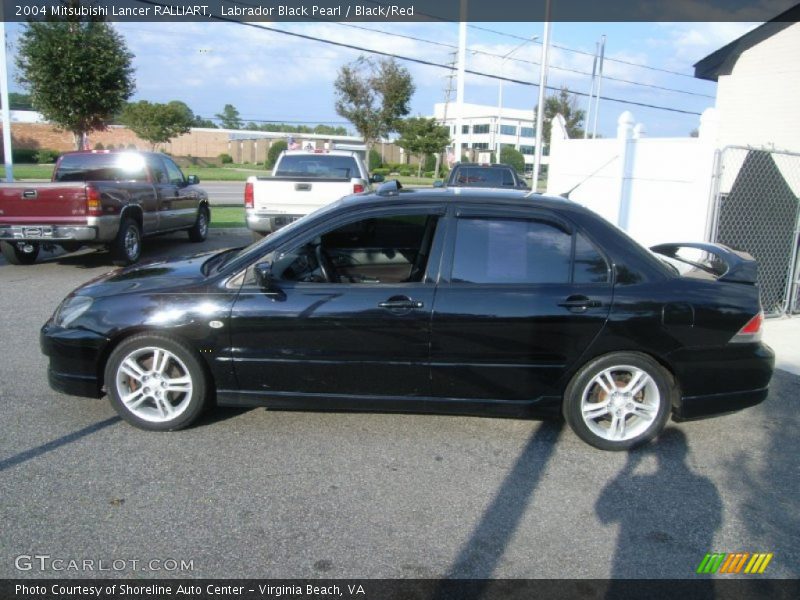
<point x="429" y="174"/>
<point x="273" y="153"/>
<point x="430" y="163"/>
<point x="45" y="156"/>
<point x="375" y="160"/>
<point x="380" y="171"/>
<point x="99" y="146"/>
<point x="226" y="159"/>
<point x="513" y="158"/>
<point x="405" y="170"/>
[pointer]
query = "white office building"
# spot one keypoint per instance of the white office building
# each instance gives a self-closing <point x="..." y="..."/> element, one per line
<point x="484" y="130"/>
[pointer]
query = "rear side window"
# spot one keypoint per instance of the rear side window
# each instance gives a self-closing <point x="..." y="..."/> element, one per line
<point x="317" y="165"/>
<point x="115" y="166"/>
<point x="511" y="251"/>
<point x="589" y="265"/>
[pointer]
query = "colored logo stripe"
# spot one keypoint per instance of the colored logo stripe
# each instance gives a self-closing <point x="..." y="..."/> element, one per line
<point x="732" y="563"/>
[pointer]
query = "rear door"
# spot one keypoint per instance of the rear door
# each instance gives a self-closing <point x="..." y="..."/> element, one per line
<point x="522" y="295"/>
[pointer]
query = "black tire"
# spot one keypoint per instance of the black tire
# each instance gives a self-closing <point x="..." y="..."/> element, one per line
<point x="149" y="414"/>
<point x="16" y="256"/>
<point x="626" y="417"/>
<point x="123" y="249"/>
<point x="199" y="231"/>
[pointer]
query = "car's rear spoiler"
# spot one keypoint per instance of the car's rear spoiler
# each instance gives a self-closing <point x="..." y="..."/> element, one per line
<point x="729" y="264"/>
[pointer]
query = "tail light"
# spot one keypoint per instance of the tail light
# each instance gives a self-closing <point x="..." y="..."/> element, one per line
<point x="248" y="195"/>
<point x="751" y="332"/>
<point x="94" y="207"/>
<point x="358" y="188"/>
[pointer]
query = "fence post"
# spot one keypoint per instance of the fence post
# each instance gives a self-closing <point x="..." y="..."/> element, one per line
<point x="627" y="151"/>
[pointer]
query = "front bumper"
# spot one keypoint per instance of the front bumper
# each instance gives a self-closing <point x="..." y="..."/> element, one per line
<point x="724" y="380"/>
<point x="97" y="229"/>
<point x="267" y="223"/>
<point x="75" y="366"/>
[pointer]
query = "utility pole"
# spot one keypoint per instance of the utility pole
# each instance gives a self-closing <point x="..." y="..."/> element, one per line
<point x="448" y="93"/>
<point x="462" y="59"/>
<point x="591" y="90"/>
<point x="4" y="98"/>
<point x="599" y="85"/>
<point x="537" y="152"/>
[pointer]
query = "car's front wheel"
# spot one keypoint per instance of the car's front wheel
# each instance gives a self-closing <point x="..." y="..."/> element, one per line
<point x="156" y="383"/>
<point x="619" y="401"/>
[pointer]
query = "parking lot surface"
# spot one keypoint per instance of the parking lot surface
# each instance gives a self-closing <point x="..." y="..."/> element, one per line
<point x="258" y="493"/>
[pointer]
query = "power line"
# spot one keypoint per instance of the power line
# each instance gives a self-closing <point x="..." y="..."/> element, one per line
<point x="424" y="62"/>
<point x="532" y="62"/>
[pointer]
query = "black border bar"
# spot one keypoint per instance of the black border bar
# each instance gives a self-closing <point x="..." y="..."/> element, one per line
<point x="377" y="11"/>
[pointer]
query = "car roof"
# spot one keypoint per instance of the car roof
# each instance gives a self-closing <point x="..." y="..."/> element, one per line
<point x="387" y="193"/>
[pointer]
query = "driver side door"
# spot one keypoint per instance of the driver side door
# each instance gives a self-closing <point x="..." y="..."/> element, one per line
<point x="363" y="330"/>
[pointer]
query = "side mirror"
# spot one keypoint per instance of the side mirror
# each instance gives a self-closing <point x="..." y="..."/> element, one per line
<point x="377" y="179"/>
<point x="438" y="183"/>
<point x="192" y="179"/>
<point x="263" y="273"/>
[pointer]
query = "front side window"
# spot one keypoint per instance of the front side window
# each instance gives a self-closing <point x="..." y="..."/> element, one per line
<point x="173" y="172"/>
<point x="391" y="249"/>
<point x="510" y="251"/>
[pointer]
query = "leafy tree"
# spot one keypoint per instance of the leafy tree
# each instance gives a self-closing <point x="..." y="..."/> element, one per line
<point x="375" y="160"/>
<point x="274" y="151"/>
<point x="564" y="103"/>
<point x="373" y="95"/>
<point x="229" y="117"/>
<point x="79" y="74"/>
<point x="201" y="122"/>
<point x="17" y="101"/>
<point x="158" y="123"/>
<point x="512" y="157"/>
<point x="422" y="137"/>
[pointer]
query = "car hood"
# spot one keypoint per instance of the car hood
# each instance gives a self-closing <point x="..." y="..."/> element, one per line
<point x="152" y="276"/>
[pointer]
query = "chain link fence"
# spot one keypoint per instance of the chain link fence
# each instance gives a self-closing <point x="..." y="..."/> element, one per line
<point x="757" y="209"/>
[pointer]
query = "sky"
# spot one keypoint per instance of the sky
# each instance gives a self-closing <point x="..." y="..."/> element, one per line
<point x="270" y="76"/>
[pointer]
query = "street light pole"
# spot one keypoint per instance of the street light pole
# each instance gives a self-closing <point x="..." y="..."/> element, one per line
<point x="537" y="152"/>
<point x="6" y="109"/>
<point x="500" y="93"/>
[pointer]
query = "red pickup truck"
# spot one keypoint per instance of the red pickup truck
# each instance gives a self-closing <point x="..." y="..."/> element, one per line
<point x="101" y="198"/>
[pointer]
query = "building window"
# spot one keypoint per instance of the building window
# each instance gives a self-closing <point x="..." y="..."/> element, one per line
<point x="526" y="150"/>
<point x="465" y="129"/>
<point x="480" y="128"/>
<point x="481" y="146"/>
<point x="528" y="132"/>
<point x="464" y="147"/>
<point x="508" y="129"/>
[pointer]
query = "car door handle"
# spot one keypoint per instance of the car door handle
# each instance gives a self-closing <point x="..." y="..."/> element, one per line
<point x="405" y="303"/>
<point x="580" y="303"/>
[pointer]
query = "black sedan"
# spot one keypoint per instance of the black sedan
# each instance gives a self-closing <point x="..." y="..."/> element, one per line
<point x="466" y="301"/>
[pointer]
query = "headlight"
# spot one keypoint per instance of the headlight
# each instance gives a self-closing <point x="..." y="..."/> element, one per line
<point x="71" y="309"/>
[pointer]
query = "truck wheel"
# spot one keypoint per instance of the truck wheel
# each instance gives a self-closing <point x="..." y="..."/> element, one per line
<point x="199" y="231"/>
<point x="127" y="247"/>
<point x="20" y="253"/>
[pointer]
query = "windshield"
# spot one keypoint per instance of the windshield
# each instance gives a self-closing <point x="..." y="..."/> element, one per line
<point x="317" y="165"/>
<point x="245" y="256"/>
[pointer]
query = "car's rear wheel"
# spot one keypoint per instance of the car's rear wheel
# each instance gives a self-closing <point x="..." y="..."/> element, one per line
<point x="20" y="253"/>
<point x="156" y="383"/>
<point x="127" y="247"/>
<point x="199" y="231"/>
<point x="619" y="401"/>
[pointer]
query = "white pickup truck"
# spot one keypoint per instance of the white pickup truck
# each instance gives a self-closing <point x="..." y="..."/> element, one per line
<point x="301" y="182"/>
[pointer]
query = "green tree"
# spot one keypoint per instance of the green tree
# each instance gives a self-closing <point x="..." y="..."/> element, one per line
<point x="158" y="123"/>
<point x="79" y="75"/>
<point x="512" y="157"/>
<point x="17" y="101"/>
<point x="373" y="95"/>
<point x="274" y="151"/>
<point x="564" y="103"/>
<point x="375" y="160"/>
<point x="229" y="117"/>
<point x="201" y="122"/>
<point x="422" y="137"/>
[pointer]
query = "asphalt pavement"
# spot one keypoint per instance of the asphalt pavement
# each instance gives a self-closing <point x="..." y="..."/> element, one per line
<point x="258" y="493"/>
